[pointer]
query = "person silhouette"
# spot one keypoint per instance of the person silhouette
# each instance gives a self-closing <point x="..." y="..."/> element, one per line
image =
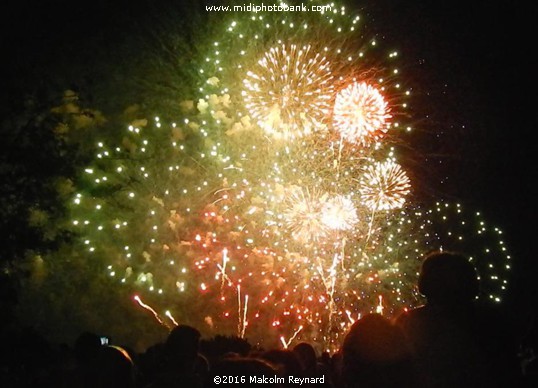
<point x="456" y="340"/>
<point x="310" y="365"/>
<point x="87" y="350"/>
<point x="180" y="354"/>
<point x="115" y="368"/>
<point x="375" y="354"/>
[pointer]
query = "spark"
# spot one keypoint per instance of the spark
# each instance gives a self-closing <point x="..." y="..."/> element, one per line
<point x="379" y="309"/>
<point x="150" y="309"/>
<point x="329" y="279"/>
<point x="245" y="322"/>
<point x="169" y="315"/>
<point x="287" y="343"/>
<point x="223" y="270"/>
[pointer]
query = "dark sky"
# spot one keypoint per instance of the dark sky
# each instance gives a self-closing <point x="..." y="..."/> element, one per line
<point x="472" y="60"/>
<point x="477" y="63"/>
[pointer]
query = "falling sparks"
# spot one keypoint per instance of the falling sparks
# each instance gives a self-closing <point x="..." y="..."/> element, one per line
<point x="286" y="344"/>
<point x="244" y="321"/>
<point x="171" y="317"/>
<point x="222" y="268"/>
<point x="150" y="309"/>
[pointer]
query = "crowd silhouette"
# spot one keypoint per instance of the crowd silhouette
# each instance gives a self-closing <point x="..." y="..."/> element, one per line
<point x="453" y="340"/>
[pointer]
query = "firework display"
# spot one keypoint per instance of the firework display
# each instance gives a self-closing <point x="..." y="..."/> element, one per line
<point x="275" y="208"/>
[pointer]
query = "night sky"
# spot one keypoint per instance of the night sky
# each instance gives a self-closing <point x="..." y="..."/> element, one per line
<point x="471" y="61"/>
<point x="476" y="62"/>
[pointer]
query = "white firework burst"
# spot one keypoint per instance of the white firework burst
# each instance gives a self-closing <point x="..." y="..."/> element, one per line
<point x="289" y="92"/>
<point x="339" y="213"/>
<point x="361" y="113"/>
<point x="384" y="186"/>
<point x="304" y="216"/>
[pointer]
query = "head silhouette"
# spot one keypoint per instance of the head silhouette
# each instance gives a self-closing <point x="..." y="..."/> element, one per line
<point x="373" y="339"/>
<point x="307" y="355"/>
<point x="115" y="368"/>
<point x="448" y="278"/>
<point x="182" y="345"/>
<point x="284" y="360"/>
<point x="375" y="354"/>
<point x="87" y="347"/>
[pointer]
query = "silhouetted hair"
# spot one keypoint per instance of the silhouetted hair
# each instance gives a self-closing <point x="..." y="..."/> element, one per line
<point x="183" y="340"/>
<point x="284" y="360"/>
<point x="87" y="347"/>
<point x="306" y="354"/>
<point x="374" y="339"/>
<point x="115" y="368"/>
<point x="375" y="354"/>
<point x="448" y="277"/>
